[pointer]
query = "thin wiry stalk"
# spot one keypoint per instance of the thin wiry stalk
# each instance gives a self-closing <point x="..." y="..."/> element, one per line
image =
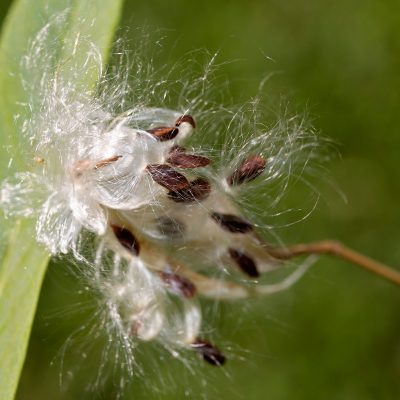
<point x="339" y="250"/>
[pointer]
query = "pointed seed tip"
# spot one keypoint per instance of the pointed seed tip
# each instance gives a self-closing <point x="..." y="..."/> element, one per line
<point x="208" y="352"/>
<point x="178" y="284"/>
<point x="164" y="133"/>
<point x="244" y="262"/>
<point x="247" y="170"/>
<point x="185" y="118"/>
<point x="232" y="223"/>
<point x="126" y="239"/>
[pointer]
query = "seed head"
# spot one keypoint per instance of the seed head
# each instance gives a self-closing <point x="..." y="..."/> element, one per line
<point x="166" y="220"/>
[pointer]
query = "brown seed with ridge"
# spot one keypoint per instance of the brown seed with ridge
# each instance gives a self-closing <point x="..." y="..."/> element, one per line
<point x="178" y="284"/>
<point x="232" y="223"/>
<point x="208" y="352"/>
<point x="198" y="190"/>
<point x="245" y="262"/>
<point x="167" y="177"/>
<point x="183" y="160"/>
<point x="126" y="239"/>
<point x="249" y="169"/>
<point x="164" y="133"/>
<point x="185" y="118"/>
<point x="170" y="227"/>
<point x="177" y="149"/>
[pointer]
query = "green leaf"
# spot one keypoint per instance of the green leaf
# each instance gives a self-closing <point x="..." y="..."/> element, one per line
<point x="22" y="271"/>
<point x="23" y="262"/>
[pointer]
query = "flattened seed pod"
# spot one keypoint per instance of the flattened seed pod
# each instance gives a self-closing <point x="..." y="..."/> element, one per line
<point x="232" y="223"/>
<point x="185" y="118"/>
<point x="167" y="177"/>
<point x="182" y="160"/>
<point x="126" y="239"/>
<point x="209" y="352"/>
<point x="164" y="133"/>
<point x="178" y="284"/>
<point x="247" y="170"/>
<point x="170" y="227"/>
<point x="196" y="191"/>
<point x="244" y="262"/>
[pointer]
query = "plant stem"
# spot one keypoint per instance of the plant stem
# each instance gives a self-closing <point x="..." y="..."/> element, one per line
<point x="339" y="250"/>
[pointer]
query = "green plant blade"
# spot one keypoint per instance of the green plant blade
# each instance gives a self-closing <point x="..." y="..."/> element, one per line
<point x="23" y="262"/>
<point x="21" y="275"/>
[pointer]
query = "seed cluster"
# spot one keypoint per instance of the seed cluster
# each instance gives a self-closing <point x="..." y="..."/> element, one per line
<point x="156" y="222"/>
<point x="166" y="222"/>
<point x="183" y="202"/>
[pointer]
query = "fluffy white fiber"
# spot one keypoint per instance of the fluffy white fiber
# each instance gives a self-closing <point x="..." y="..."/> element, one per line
<point x="150" y="199"/>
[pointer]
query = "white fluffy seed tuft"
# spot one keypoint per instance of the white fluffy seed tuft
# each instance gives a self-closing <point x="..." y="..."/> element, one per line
<point x="165" y="220"/>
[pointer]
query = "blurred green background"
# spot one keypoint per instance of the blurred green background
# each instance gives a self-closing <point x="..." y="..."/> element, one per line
<point x="336" y="334"/>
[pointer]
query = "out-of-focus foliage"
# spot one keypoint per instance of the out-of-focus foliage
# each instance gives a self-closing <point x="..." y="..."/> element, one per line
<point x="335" y="334"/>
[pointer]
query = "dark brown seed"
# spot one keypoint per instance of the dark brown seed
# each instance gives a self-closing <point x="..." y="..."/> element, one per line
<point x="198" y="190"/>
<point x="170" y="227"/>
<point x="182" y="160"/>
<point x="245" y="263"/>
<point x="209" y="352"/>
<point x="178" y="284"/>
<point x="106" y="161"/>
<point x="126" y="239"/>
<point x="232" y="223"/>
<point x="185" y="118"/>
<point x="164" y="133"/>
<point x="167" y="177"/>
<point x="177" y="149"/>
<point x="248" y="170"/>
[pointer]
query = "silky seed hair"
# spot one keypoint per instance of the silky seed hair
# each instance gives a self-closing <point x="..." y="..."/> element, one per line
<point x="156" y="218"/>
